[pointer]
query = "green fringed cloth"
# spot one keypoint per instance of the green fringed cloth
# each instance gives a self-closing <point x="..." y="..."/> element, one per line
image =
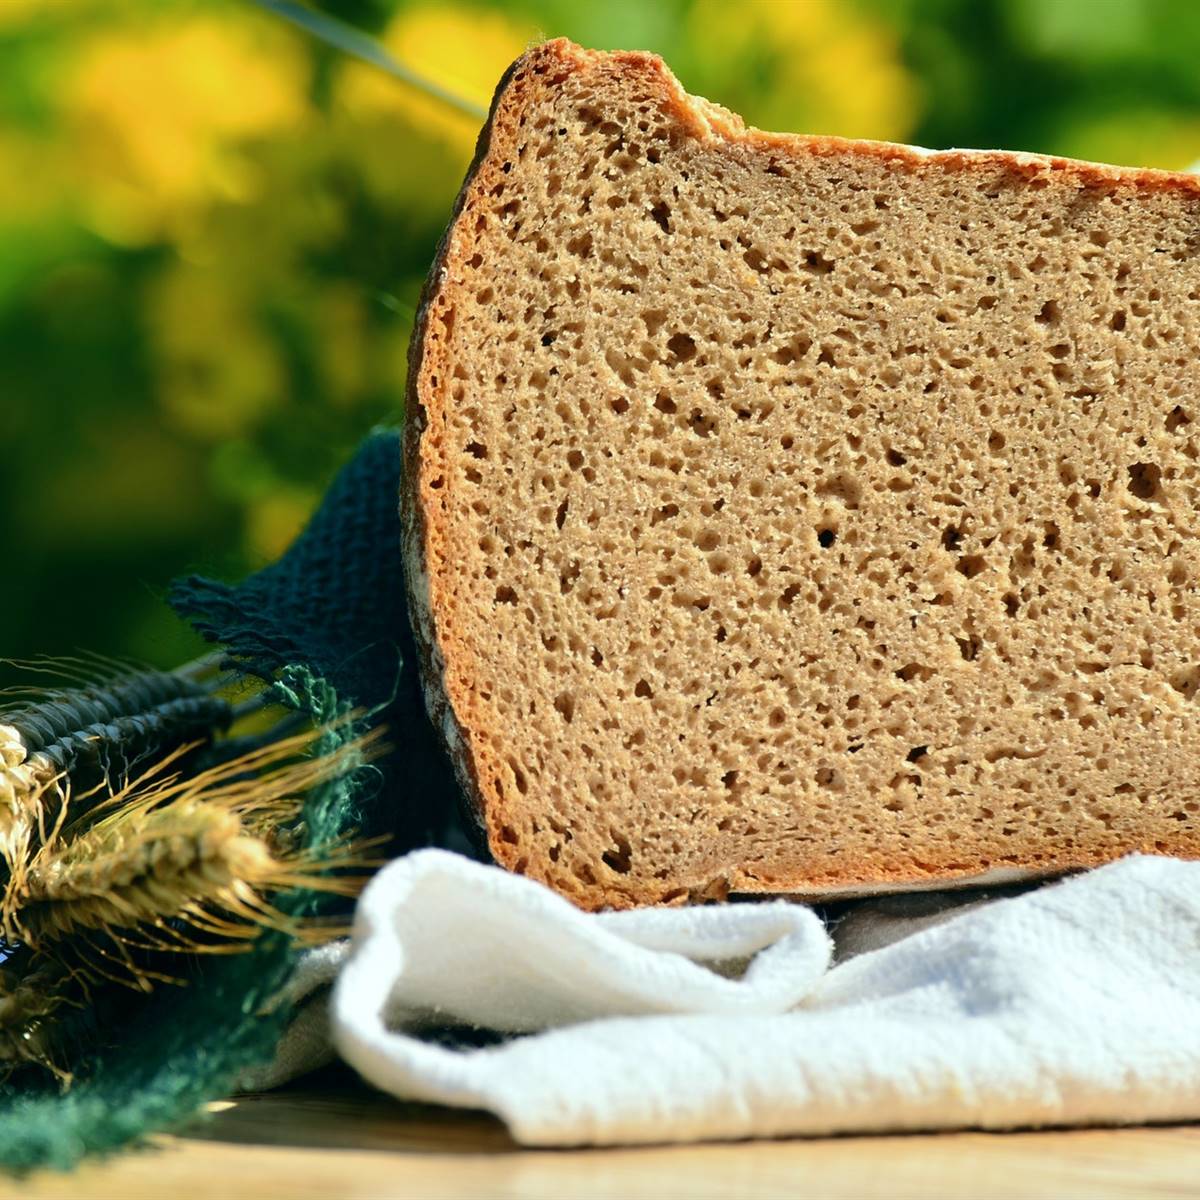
<point x="326" y="626"/>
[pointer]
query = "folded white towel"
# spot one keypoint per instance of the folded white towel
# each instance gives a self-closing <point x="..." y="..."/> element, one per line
<point x="1075" y="1003"/>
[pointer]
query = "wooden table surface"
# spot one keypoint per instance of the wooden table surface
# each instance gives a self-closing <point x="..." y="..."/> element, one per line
<point x="339" y="1139"/>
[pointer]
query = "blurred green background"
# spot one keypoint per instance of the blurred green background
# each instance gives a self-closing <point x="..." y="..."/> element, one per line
<point x="213" y="231"/>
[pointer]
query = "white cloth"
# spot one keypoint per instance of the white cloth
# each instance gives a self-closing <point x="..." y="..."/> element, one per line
<point x="1075" y="1003"/>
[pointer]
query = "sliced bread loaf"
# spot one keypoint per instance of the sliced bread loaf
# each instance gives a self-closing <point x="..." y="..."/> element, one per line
<point x="790" y="514"/>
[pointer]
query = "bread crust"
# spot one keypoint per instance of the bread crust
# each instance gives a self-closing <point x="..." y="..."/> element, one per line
<point x="446" y="660"/>
<point x="415" y="526"/>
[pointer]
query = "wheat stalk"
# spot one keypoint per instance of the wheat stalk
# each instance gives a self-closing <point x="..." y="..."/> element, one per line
<point x="173" y="863"/>
<point x="126" y="874"/>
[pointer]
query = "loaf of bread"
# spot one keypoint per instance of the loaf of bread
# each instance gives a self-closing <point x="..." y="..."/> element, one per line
<point x="791" y="514"/>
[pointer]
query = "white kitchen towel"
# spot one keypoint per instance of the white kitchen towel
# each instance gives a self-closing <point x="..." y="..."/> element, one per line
<point x="1075" y="1003"/>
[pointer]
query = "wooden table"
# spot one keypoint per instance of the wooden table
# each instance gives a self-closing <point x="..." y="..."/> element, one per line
<point x="342" y="1140"/>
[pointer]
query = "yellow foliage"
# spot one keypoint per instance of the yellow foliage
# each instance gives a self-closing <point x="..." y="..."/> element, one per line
<point x="35" y="177"/>
<point x="463" y="50"/>
<point x="219" y="372"/>
<point x="159" y="113"/>
<point x="17" y="13"/>
<point x="830" y="61"/>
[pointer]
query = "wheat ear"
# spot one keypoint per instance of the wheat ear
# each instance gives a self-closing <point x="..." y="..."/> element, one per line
<point x="173" y="863"/>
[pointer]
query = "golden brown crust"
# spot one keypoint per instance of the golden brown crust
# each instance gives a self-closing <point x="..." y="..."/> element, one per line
<point x="448" y="666"/>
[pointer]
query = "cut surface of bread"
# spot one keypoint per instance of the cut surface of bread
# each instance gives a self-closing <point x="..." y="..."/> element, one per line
<point x="791" y="514"/>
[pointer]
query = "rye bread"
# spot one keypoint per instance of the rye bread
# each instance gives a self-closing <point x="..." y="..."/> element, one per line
<point x="793" y="514"/>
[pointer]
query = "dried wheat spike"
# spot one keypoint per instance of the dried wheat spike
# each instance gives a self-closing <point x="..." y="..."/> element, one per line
<point x="178" y="863"/>
<point x="187" y="862"/>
